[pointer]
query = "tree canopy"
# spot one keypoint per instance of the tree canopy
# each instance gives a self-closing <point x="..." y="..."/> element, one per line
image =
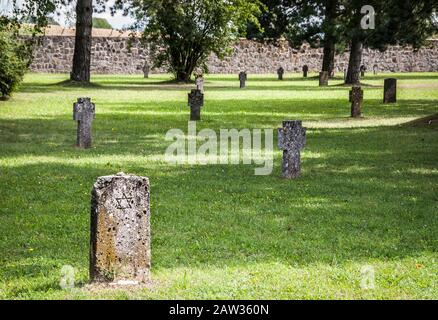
<point x="183" y="33"/>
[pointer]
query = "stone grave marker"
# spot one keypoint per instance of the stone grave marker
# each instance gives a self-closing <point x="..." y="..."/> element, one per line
<point x="242" y="78"/>
<point x="84" y="112"/>
<point x="390" y="91"/>
<point x="291" y="139"/>
<point x="323" y="78"/>
<point x="362" y="70"/>
<point x="200" y="83"/>
<point x="196" y="101"/>
<point x="120" y="250"/>
<point x="356" y="99"/>
<point x="146" y="70"/>
<point x="280" y="73"/>
<point x="375" y="69"/>
<point x="305" y="70"/>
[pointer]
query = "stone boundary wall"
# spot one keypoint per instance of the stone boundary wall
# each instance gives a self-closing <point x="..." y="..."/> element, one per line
<point x="112" y="54"/>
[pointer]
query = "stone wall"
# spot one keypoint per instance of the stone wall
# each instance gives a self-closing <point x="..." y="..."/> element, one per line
<point x="113" y="54"/>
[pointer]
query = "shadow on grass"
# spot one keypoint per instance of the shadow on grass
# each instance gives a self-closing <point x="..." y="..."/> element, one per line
<point x="362" y="195"/>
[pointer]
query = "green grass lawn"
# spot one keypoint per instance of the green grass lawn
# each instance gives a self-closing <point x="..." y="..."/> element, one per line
<point x="368" y="194"/>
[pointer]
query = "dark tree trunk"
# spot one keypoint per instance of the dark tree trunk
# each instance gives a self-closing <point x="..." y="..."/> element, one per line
<point x="82" y="54"/>
<point x="354" y="62"/>
<point x="328" y="62"/>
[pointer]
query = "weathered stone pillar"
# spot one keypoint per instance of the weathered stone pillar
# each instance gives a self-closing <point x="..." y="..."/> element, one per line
<point x="323" y="78"/>
<point x="242" y="78"/>
<point x="196" y="101"/>
<point x="146" y="70"/>
<point x="280" y="73"/>
<point x="305" y="70"/>
<point x="200" y="83"/>
<point x="84" y="112"/>
<point x="291" y="139"/>
<point x="120" y="230"/>
<point x="390" y="91"/>
<point x="356" y="98"/>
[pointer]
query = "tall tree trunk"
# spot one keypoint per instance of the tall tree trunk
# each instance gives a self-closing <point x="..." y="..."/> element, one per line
<point x="328" y="62"/>
<point x="82" y="54"/>
<point x="354" y="62"/>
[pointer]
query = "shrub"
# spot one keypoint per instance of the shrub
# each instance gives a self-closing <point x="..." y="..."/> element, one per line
<point x="14" y="60"/>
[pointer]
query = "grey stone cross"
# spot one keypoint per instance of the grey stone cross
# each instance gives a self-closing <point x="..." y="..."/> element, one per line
<point x="84" y="112"/>
<point x="291" y="139"/>
<point x="196" y="101"/>
<point x="146" y="70"/>
<point x="120" y="230"/>
<point x="242" y="78"/>
<point x="280" y="73"/>
<point x="390" y="91"/>
<point x="305" y="70"/>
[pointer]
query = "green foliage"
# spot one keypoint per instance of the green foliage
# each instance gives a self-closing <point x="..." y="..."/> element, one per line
<point x="184" y="33"/>
<point x="14" y="59"/>
<point x="15" y="52"/>
<point x="101" y="23"/>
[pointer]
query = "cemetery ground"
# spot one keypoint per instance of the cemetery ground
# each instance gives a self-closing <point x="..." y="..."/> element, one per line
<point x="368" y="194"/>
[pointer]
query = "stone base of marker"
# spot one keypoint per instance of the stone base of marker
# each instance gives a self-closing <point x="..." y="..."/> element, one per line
<point x="323" y="78"/>
<point x="390" y="91"/>
<point x="356" y="98"/>
<point x="84" y="112"/>
<point x="120" y="250"/>
<point x="291" y="139"/>
<point x="196" y="101"/>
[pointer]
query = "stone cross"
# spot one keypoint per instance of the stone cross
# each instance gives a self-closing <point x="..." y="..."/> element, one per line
<point x="323" y="78"/>
<point x="242" y="77"/>
<point x="120" y="250"/>
<point x="375" y="69"/>
<point x="291" y="139"/>
<point x="200" y="83"/>
<point x="84" y="112"/>
<point x="146" y="70"/>
<point x="280" y="73"/>
<point x="390" y="91"/>
<point x="356" y="99"/>
<point x="305" y="70"/>
<point x="196" y="101"/>
<point x="362" y="70"/>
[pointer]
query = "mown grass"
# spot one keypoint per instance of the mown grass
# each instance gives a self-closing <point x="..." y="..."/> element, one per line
<point x="368" y="194"/>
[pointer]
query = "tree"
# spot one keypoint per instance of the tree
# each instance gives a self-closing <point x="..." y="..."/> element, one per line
<point x="15" y="50"/>
<point x="403" y="22"/>
<point x="101" y="23"/>
<point x="183" y="33"/>
<point x="313" y="21"/>
<point x="82" y="52"/>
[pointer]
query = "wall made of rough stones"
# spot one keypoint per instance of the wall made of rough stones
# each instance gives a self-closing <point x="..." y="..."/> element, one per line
<point x="114" y="55"/>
